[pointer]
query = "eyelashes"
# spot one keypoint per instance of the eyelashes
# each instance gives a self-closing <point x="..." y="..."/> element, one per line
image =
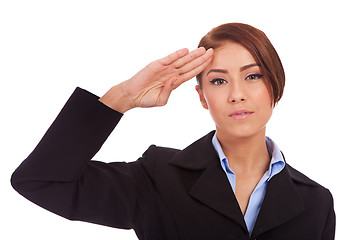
<point x="218" y="81"/>
<point x="254" y="76"/>
<point x="221" y="81"/>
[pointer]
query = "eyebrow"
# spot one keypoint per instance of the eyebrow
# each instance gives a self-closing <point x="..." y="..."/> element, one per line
<point x="249" y="66"/>
<point x="243" y="68"/>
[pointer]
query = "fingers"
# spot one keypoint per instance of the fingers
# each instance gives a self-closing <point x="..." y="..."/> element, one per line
<point x="182" y="57"/>
<point x="193" y="68"/>
<point x="189" y="57"/>
<point x="174" y="56"/>
<point x="187" y="64"/>
<point x="196" y="61"/>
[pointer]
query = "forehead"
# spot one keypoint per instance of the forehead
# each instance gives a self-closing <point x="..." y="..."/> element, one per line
<point x="231" y="54"/>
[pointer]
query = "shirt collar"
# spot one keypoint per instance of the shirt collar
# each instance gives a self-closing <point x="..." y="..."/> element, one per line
<point x="277" y="161"/>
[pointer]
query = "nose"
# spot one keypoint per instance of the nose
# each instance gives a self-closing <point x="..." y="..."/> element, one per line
<point x="237" y="94"/>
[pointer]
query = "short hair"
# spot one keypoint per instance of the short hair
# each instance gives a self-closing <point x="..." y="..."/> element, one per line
<point x="260" y="47"/>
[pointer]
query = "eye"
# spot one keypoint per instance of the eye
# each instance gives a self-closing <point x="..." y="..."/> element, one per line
<point x="218" y="81"/>
<point x="254" y="76"/>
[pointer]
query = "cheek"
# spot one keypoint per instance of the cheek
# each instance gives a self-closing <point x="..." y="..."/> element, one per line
<point x="262" y="95"/>
<point x="265" y="99"/>
<point x="264" y="103"/>
<point x="215" y="103"/>
<point x="212" y="104"/>
<point x="214" y="96"/>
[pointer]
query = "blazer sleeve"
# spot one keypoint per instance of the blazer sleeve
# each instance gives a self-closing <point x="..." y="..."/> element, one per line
<point x="329" y="229"/>
<point x="60" y="176"/>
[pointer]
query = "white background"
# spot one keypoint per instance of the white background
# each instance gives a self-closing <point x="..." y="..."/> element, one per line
<point x="47" y="48"/>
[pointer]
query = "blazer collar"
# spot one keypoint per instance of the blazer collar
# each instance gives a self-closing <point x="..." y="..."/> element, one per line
<point x="199" y="155"/>
<point x="212" y="187"/>
<point x="282" y="202"/>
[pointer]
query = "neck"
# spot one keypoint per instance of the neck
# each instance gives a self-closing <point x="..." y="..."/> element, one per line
<point x="246" y="154"/>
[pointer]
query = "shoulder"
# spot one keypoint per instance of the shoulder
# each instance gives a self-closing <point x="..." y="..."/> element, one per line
<point x="156" y="152"/>
<point x="156" y="156"/>
<point x="317" y="199"/>
<point x="196" y="156"/>
<point x="300" y="178"/>
<point x="307" y="186"/>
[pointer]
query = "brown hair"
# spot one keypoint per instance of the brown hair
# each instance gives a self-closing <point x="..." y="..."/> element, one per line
<point x="260" y="47"/>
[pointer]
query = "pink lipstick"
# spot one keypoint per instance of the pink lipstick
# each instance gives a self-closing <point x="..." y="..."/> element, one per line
<point x="242" y="114"/>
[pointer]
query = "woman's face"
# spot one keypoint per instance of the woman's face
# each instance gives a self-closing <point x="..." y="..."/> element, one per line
<point x="234" y="91"/>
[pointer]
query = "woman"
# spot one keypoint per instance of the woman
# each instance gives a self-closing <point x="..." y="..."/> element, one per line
<point x="231" y="184"/>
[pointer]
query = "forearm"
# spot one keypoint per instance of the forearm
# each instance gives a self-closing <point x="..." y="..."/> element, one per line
<point x="60" y="176"/>
<point x="74" y="137"/>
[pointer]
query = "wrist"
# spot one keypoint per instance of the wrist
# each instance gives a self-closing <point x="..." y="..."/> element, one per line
<point x="118" y="99"/>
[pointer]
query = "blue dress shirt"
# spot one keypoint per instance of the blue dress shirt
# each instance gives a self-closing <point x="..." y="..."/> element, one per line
<point x="277" y="163"/>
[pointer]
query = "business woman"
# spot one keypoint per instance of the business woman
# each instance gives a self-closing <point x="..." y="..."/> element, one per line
<point x="233" y="183"/>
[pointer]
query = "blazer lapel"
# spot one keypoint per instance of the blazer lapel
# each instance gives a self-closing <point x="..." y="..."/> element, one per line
<point x="212" y="188"/>
<point x="281" y="203"/>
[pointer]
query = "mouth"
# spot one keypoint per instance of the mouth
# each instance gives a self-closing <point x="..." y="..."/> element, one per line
<point x="242" y="114"/>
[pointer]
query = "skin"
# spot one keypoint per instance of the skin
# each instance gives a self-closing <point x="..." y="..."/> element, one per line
<point x="152" y="86"/>
<point x="222" y="93"/>
<point x="232" y="82"/>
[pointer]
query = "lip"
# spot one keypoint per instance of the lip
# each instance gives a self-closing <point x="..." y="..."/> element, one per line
<point x="241" y="114"/>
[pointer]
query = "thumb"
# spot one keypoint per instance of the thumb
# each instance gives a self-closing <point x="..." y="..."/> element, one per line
<point x="165" y="93"/>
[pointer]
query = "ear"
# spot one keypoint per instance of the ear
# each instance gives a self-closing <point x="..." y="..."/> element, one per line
<point x="201" y="96"/>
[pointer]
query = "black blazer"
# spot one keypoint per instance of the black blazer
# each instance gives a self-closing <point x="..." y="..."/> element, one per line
<point x="165" y="194"/>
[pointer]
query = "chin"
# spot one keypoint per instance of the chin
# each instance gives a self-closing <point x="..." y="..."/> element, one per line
<point x="241" y="132"/>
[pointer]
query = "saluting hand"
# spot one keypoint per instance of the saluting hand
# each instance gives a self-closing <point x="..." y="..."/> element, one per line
<point x="153" y="85"/>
